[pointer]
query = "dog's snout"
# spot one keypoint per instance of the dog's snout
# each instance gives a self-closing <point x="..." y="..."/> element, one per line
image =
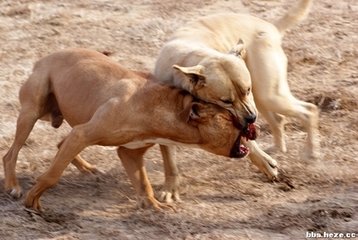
<point x="250" y="118"/>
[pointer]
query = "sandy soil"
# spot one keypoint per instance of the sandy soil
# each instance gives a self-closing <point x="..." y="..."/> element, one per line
<point x="222" y="198"/>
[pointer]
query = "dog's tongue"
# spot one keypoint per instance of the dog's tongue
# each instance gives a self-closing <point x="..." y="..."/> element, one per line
<point x="249" y="133"/>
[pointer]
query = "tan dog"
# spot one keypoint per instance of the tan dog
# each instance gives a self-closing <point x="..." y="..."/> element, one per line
<point x="201" y="54"/>
<point x="109" y="105"/>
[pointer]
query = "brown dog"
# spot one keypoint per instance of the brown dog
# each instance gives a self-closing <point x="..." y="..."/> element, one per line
<point x="202" y="54"/>
<point x="109" y="105"/>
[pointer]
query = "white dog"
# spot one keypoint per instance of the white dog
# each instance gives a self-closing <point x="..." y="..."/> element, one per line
<point x="201" y="54"/>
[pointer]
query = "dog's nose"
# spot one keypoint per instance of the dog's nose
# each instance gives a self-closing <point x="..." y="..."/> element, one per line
<point x="250" y="118"/>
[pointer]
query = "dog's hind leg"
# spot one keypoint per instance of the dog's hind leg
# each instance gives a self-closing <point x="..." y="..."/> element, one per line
<point x="277" y="124"/>
<point x="307" y="113"/>
<point x="74" y="143"/>
<point x="84" y="166"/>
<point x="25" y="123"/>
<point x="272" y="93"/>
<point x="309" y="118"/>
<point x="33" y="95"/>
<point x="81" y="164"/>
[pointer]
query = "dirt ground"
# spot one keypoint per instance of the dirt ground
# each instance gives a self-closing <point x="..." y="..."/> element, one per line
<point x="222" y="198"/>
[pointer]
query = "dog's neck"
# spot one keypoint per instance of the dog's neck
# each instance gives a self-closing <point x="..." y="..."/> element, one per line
<point x="168" y="105"/>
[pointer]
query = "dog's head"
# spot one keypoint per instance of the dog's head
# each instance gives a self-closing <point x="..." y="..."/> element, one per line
<point x="217" y="129"/>
<point x="222" y="79"/>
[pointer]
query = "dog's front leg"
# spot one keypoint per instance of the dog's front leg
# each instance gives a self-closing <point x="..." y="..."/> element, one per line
<point x="171" y="186"/>
<point x="262" y="160"/>
<point x="133" y="162"/>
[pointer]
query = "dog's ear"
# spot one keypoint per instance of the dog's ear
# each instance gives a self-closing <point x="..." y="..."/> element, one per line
<point x="191" y="78"/>
<point x="194" y="113"/>
<point x="239" y="49"/>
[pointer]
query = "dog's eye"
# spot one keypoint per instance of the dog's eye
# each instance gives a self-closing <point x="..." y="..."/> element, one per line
<point x="227" y="101"/>
<point x="248" y="91"/>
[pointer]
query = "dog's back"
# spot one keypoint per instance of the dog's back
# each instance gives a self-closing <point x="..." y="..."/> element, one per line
<point x="55" y="77"/>
<point x="221" y="32"/>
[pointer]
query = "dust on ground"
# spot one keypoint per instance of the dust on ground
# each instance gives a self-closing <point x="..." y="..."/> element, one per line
<point x="222" y="198"/>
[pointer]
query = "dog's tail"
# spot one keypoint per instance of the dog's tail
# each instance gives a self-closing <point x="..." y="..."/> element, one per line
<point x="293" y="16"/>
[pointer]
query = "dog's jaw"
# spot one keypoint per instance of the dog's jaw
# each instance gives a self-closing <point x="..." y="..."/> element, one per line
<point x="238" y="150"/>
<point x="248" y="133"/>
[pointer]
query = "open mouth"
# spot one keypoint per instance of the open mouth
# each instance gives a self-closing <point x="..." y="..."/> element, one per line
<point x="249" y="133"/>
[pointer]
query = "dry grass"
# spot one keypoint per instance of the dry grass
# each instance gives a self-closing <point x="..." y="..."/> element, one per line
<point x="223" y="198"/>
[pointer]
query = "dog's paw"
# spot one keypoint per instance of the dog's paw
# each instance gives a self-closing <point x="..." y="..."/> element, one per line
<point x="170" y="191"/>
<point x="151" y="202"/>
<point x="270" y="168"/>
<point x="169" y="196"/>
<point x="308" y="156"/>
<point x="310" y="153"/>
<point x="15" y="192"/>
<point x="88" y="169"/>
<point x="272" y="174"/>
<point x="93" y="170"/>
<point x="32" y="202"/>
